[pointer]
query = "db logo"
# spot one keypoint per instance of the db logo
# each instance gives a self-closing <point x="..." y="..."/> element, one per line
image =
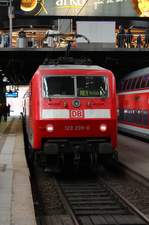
<point x="76" y="114"/>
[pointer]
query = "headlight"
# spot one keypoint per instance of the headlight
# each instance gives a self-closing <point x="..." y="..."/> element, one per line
<point x="103" y="127"/>
<point x="50" y="128"/>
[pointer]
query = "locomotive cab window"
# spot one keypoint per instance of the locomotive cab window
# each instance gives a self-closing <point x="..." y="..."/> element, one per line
<point x="78" y="86"/>
<point x="91" y="86"/>
<point x="58" y="86"/>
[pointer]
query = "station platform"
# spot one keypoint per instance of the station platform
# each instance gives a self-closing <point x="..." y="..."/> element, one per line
<point x="16" y="203"/>
<point x="134" y="154"/>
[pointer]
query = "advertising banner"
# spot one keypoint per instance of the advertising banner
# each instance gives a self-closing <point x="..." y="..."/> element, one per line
<point x="114" y="8"/>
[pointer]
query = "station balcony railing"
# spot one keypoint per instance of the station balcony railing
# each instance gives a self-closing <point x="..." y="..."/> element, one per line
<point x="134" y="40"/>
<point x="121" y="41"/>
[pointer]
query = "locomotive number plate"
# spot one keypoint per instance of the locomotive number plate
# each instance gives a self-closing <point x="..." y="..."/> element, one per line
<point x="76" y="113"/>
<point x="77" y="128"/>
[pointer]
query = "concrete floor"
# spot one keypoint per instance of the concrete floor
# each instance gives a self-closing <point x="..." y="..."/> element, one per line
<point x="16" y="203"/>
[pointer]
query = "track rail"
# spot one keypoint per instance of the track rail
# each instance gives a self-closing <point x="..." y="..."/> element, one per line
<point x="118" y="176"/>
<point x="93" y="202"/>
<point x="130" y="205"/>
<point x="140" y="178"/>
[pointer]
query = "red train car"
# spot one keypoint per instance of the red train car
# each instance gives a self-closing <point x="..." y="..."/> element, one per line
<point x="133" y="101"/>
<point x="70" y="112"/>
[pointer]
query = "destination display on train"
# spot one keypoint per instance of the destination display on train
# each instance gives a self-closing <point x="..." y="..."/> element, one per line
<point x="120" y="8"/>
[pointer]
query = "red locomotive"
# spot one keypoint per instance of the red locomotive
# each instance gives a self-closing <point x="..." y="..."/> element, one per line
<point x="70" y="114"/>
<point x="133" y="98"/>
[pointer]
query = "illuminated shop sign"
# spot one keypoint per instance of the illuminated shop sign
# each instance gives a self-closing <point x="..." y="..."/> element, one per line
<point x="131" y="8"/>
<point x="70" y="3"/>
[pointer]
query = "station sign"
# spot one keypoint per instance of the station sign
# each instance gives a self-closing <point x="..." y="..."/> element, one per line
<point x="11" y="94"/>
<point x="108" y="8"/>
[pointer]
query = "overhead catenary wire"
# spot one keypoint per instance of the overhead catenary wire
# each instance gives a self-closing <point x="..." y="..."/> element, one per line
<point x="82" y="7"/>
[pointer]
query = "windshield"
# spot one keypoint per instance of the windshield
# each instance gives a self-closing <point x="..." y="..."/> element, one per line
<point x="75" y="86"/>
<point x="58" y="86"/>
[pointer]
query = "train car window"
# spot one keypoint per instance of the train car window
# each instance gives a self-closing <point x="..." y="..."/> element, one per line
<point x="147" y="82"/>
<point x="138" y="82"/>
<point x="145" y="117"/>
<point x="129" y="84"/>
<point x="133" y="83"/>
<point x="139" y="117"/>
<point x="143" y="82"/>
<point x="146" y="78"/>
<point x="58" y="86"/>
<point x="91" y="86"/>
<point x="121" y="115"/>
<point x="125" y="85"/>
